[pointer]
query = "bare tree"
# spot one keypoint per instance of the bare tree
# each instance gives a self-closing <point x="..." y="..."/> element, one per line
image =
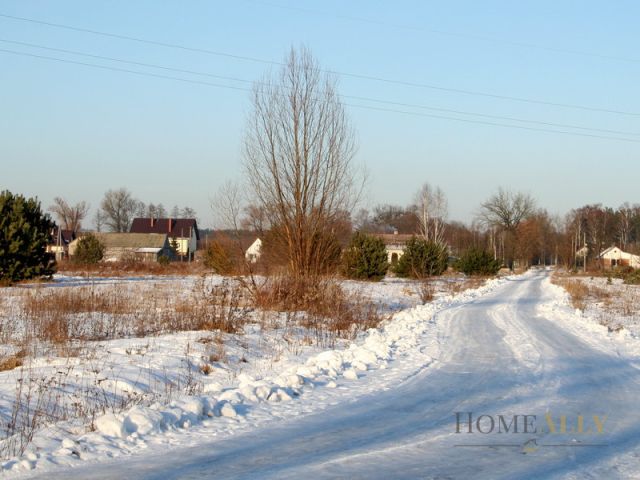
<point x="299" y="149"/>
<point x="431" y="210"/>
<point x="98" y="220"/>
<point x="227" y="205"/>
<point x="188" y="212"/>
<point x="506" y="210"/>
<point x="625" y="215"/>
<point x="503" y="212"/>
<point x="118" y="208"/>
<point x="69" y="216"/>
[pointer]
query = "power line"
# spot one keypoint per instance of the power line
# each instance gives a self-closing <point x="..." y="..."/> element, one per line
<point x="335" y="72"/>
<point x="352" y="97"/>
<point x="368" y="107"/>
<point x="484" y="38"/>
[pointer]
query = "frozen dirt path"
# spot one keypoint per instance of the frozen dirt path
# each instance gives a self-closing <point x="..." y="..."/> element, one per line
<point x="498" y="355"/>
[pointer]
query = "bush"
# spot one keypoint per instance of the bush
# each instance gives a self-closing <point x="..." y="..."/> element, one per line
<point x="365" y="258"/>
<point x="89" y="250"/>
<point x="164" y="260"/>
<point x="477" y="262"/>
<point x="632" y="278"/>
<point x="422" y="259"/>
<point x="24" y="234"/>
<point x="218" y="259"/>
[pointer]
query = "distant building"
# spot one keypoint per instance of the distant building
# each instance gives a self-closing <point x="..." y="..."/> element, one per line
<point x="614" y="257"/>
<point x="395" y="244"/>
<point x="252" y="254"/>
<point x="59" y="242"/>
<point x="146" y="247"/>
<point x="183" y="231"/>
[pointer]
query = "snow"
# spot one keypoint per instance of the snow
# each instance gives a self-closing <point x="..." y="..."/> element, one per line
<point x="381" y="406"/>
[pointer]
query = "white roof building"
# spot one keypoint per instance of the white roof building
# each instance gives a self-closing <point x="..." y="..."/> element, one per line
<point x="253" y="252"/>
<point x="615" y="257"/>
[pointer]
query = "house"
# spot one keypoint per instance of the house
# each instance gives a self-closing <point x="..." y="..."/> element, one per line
<point x="252" y="254"/>
<point x="146" y="247"/>
<point x="181" y="231"/>
<point x="614" y="257"/>
<point x="59" y="242"/>
<point x="395" y="244"/>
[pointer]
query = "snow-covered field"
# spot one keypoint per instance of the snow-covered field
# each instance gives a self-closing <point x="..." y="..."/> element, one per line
<point x="381" y="406"/>
<point x="107" y="398"/>
<point x="609" y="301"/>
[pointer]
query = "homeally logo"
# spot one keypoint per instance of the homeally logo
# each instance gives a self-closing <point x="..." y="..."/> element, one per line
<point x="584" y="429"/>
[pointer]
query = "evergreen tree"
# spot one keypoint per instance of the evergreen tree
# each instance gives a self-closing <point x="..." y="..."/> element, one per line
<point x="365" y="258"/>
<point x="88" y="250"/>
<point x="218" y="259"/>
<point x="477" y="262"/>
<point x="422" y="259"/>
<point x="24" y="234"/>
<point x="175" y="246"/>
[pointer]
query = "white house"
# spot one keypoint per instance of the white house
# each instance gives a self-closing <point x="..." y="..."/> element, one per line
<point x="395" y="244"/>
<point x="614" y="257"/>
<point x="252" y="253"/>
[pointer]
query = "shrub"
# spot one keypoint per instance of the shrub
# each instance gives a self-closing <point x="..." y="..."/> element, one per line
<point x="422" y="259"/>
<point x="632" y="278"/>
<point x="477" y="262"/>
<point x="24" y="235"/>
<point x="329" y="310"/>
<point x="89" y="250"/>
<point x="164" y="260"/>
<point x="218" y="259"/>
<point x="365" y="258"/>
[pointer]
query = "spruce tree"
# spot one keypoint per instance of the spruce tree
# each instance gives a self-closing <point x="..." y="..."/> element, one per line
<point x="89" y="250"/>
<point x="422" y="259"/>
<point x="365" y="258"/>
<point x="25" y="232"/>
<point x="477" y="262"/>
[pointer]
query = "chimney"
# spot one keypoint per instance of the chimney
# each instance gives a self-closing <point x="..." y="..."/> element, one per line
<point x="152" y="221"/>
<point x="170" y="220"/>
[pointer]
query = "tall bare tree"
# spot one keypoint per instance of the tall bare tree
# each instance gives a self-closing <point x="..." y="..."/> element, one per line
<point x="69" y="217"/>
<point x="298" y="150"/>
<point x="431" y="210"/>
<point x="118" y="208"/>
<point x="503" y="212"/>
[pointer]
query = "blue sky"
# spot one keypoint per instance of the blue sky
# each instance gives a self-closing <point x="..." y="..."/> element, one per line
<point x="78" y="131"/>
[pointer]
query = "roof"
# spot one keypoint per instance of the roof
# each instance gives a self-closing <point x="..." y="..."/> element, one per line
<point x="132" y="240"/>
<point x="66" y="236"/>
<point x="394" y="238"/>
<point x="174" y="227"/>
<point x="608" y="250"/>
<point x="617" y="251"/>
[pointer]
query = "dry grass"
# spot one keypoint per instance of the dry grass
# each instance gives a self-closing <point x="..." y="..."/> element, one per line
<point x="468" y="283"/>
<point x="131" y="268"/>
<point x="582" y="294"/>
<point x="324" y="306"/>
<point x="63" y="315"/>
<point x="425" y="291"/>
<point x="12" y="361"/>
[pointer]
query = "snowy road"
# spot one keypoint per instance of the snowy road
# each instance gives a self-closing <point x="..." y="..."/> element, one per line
<point x="500" y="355"/>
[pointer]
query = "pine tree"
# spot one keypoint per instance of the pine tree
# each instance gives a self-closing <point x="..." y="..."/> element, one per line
<point x="89" y="250"/>
<point x="422" y="259"/>
<point x="477" y="262"/>
<point x="24" y="234"/>
<point x="365" y="258"/>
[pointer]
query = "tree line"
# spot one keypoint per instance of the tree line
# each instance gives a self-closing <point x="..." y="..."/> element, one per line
<point x="117" y="210"/>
